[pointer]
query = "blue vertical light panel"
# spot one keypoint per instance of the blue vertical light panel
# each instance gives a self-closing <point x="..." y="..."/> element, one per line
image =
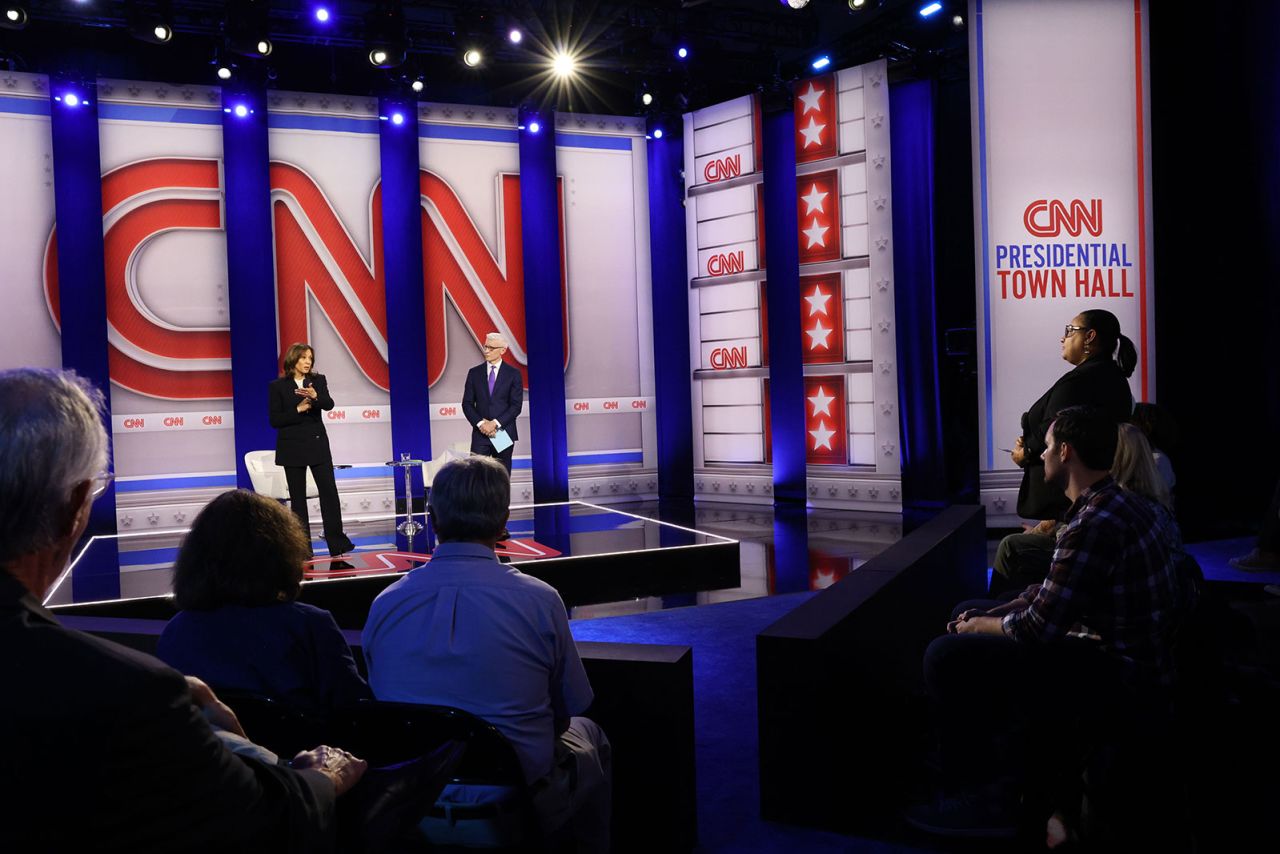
<point x="782" y="270"/>
<point x="544" y="322"/>
<point x="82" y="283"/>
<point x="251" y="292"/>
<point x="673" y="377"/>
<point x="924" y="476"/>
<point x="406" y="302"/>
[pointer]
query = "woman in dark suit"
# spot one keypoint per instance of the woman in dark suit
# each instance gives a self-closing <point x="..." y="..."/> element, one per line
<point x="296" y="401"/>
<point x="1103" y="359"/>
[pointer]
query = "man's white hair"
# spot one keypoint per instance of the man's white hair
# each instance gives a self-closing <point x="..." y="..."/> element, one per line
<point x="51" y="438"/>
<point x="495" y="339"/>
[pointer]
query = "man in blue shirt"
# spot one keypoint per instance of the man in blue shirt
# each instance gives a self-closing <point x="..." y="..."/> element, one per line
<point x="467" y="631"/>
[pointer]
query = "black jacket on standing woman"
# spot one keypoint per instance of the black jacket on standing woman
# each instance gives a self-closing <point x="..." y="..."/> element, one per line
<point x="1095" y="382"/>
<point x="300" y="436"/>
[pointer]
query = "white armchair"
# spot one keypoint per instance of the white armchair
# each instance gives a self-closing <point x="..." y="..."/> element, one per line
<point x="268" y="478"/>
<point x="456" y="451"/>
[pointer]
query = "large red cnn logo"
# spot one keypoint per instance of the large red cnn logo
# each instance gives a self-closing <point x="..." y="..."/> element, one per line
<point x="315" y="256"/>
<point x="1051" y="217"/>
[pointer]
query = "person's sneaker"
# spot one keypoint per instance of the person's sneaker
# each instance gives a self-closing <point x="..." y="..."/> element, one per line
<point x="967" y="815"/>
<point x="1257" y="561"/>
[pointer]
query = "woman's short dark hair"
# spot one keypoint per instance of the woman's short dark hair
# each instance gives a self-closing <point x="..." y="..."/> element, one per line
<point x="294" y="353"/>
<point x="470" y="499"/>
<point x="1106" y="327"/>
<point x="243" y="549"/>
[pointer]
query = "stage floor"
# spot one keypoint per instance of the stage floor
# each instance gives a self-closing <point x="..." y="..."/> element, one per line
<point x="628" y="558"/>
<point x="591" y="554"/>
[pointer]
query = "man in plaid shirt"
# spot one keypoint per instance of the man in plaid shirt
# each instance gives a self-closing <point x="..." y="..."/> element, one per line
<point x="1017" y="683"/>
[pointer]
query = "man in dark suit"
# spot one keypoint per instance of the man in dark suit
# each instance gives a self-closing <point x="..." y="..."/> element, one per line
<point x="111" y="750"/>
<point x="492" y="400"/>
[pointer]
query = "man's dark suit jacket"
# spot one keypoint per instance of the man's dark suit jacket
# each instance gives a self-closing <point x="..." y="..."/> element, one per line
<point x="503" y="406"/>
<point x="1096" y="382"/>
<point x="105" y="752"/>
<point x="300" y="436"/>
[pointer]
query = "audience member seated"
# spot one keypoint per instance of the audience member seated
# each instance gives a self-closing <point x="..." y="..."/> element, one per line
<point x="466" y="631"/>
<point x="109" y="749"/>
<point x="1162" y="432"/>
<point x="1135" y="467"/>
<point x="236" y="581"/>
<point x="1023" y="686"/>
<point x="1023" y="559"/>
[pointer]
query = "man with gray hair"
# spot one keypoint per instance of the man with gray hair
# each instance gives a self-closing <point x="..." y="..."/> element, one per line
<point x="467" y="631"/>
<point x="492" y="401"/>
<point x="109" y="749"/>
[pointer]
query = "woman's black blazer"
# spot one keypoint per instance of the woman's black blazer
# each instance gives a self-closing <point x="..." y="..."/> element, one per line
<point x="300" y="436"/>
<point x="1096" y="382"/>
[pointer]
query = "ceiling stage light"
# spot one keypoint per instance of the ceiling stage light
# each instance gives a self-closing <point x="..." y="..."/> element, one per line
<point x="515" y="36"/>
<point x="534" y="127"/>
<point x="563" y="64"/>
<point x="657" y="133"/>
<point x="857" y="5"/>
<point x="796" y="4"/>
<point x="322" y="14"/>
<point x="224" y="72"/>
<point x="682" y="52"/>
<point x="821" y="62"/>
<point x="646" y="98"/>
<point x="930" y="9"/>
<point x="14" y="18"/>
<point x="417" y="85"/>
<point x="472" y="57"/>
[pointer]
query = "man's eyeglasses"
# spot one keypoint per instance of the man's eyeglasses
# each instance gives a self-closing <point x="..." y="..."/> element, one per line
<point x="101" y="481"/>
<point x="495" y="347"/>
<point x="1072" y="330"/>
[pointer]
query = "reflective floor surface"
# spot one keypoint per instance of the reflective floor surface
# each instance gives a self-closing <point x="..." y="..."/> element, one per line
<point x="605" y="560"/>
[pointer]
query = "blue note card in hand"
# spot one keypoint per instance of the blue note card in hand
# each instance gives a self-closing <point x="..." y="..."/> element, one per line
<point x="501" y="441"/>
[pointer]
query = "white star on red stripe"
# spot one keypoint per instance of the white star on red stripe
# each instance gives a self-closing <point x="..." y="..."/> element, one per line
<point x="821" y="402"/>
<point x="822" y="437"/>
<point x="818" y="301"/>
<point x="813" y="133"/>
<point x="816" y="234"/>
<point x="812" y="99"/>
<point x="813" y="200"/>
<point x="818" y="335"/>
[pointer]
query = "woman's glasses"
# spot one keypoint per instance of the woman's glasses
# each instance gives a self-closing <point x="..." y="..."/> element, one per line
<point x="1072" y="330"/>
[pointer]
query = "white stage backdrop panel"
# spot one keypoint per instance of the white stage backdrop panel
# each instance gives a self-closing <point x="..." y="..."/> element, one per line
<point x="474" y="275"/>
<point x="1062" y="200"/>
<point x="724" y="222"/>
<point x="845" y="219"/>
<point x="601" y="161"/>
<point x="166" y="275"/>
<point x="26" y="221"/>
<point x="472" y="258"/>
<point x="330" y="292"/>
